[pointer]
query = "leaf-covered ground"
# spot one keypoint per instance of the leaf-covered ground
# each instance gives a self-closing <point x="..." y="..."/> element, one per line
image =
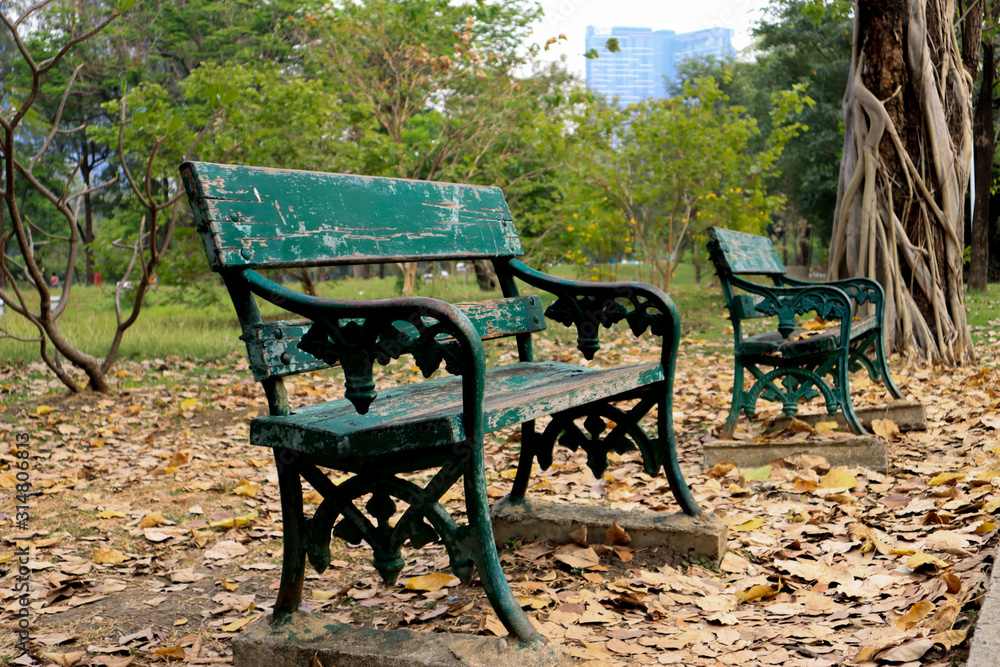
<point x="156" y="532"/>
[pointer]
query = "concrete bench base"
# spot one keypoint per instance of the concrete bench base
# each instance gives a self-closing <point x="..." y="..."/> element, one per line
<point x="678" y="533"/>
<point x="294" y="642"/>
<point x="907" y="415"/>
<point x="866" y="451"/>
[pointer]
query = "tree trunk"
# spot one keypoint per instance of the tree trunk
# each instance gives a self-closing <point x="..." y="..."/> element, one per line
<point x="3" y="246"/>
<point x="86" y="169"/>
<point x="409" y="270"/>
<point x="905" y="171"/>
<point x="305" y="279"/>
<point x="697" y="260"/>
<point x="805" y="245"/>
<point x="486" y="277"/>
<point x="985" y="147"/>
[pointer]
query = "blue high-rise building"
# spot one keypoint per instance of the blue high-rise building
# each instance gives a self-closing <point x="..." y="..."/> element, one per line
<point x="647" y="58"/>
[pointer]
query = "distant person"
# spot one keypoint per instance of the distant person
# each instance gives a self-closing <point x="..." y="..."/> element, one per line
<point x="54" y="281"/>
<point x="98" y="279"/>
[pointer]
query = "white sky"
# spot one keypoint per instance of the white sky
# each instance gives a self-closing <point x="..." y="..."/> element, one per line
<point x="571" y="17"/>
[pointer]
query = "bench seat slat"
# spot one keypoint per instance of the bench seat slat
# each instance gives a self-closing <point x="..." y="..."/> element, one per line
<point x="273" y="347"/>
<point x="427" y="414"/>
<point x="268" y="218"/>
<point x="799" y="344"/>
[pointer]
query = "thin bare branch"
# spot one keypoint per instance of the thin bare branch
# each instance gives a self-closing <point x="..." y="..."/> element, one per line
<point x="12" y="27"/>
<point x="41" y="231"/>
<point x="146" y="203"/>
<point x="5" y="334"/>
<point x="41" y="189"/>
<point x="46" y="65"/>
<point x="31" y="10"/>
<point x="201" y="135"/>
<point x="147" y="177"/>
<point x="56" y="119"/>
<point x="136" y="250"/>
<point x="91" y="189"/>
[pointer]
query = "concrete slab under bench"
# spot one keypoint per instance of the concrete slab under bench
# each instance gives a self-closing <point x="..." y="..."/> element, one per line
<point x="866" y="451"/>
<point x="679" y="534"/>
<point x="295" y="642"/>
<point x="907" y="415"/>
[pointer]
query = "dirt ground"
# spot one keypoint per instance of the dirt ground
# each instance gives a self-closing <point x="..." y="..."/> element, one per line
<point x="154" y="531"/>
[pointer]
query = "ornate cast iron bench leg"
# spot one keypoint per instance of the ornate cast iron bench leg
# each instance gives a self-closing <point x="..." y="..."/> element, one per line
<point x="883" y="366"/>
<point x="738" y="404"/>
<point x="293" y="562"/>
<point x="671" y="466"/>
<point x="480" y="541"/>
<point x="490" y="573"/>
<point x="843" y="389"/>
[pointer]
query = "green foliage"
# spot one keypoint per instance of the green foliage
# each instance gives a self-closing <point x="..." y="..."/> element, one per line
<point x="611" y="45"/>
<point x="427" y="89"/>
<point x="804" y="45"/>
<point x="671" y="168"/>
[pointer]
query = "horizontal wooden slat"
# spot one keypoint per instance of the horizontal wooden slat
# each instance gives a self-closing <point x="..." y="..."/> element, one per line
<point x="253" y="217"/>
<point x="273" y="347"/>
<point x="425" y="414"/>
<point x="745" y="306"/>
<point x="746" y="254"/>
<point x="801" y="343"/>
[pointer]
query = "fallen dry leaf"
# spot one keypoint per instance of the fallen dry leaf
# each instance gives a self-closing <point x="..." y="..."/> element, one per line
<point x="752" y="524"/>
<point x="171" y="652"/>
<point x="107" y="556"/>
<point x="151" y="520"/>
<point x="432" y="582"/>
<point x="226" y="549"/>
<point x="617" y="535"/>
<point x="838" y="478"/>
<point x="915" y="614"/>
<point x="885" y="429"/>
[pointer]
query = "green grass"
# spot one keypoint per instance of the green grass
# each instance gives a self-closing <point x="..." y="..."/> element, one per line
<point x="162" y="328"/>
<point x="210" y="331"/>
<point x="983" y="312"/>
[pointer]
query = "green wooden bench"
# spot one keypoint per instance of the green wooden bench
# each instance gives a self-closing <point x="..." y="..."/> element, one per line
<point x="800" y="359"/>
<point x="253" y="219"/>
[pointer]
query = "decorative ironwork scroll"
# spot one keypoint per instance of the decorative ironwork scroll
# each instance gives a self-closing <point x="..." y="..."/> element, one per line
<point x="424" y="521"/>
<point x="589" y="313"/>
<point x="357" y="344"/>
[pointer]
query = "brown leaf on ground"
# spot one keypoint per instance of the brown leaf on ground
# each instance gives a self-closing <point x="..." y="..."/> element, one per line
<point x="617" y="535"/>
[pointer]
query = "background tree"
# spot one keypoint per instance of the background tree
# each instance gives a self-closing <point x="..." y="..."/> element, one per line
<point x="220" y="111"/>
<point x="430" y="89"/>
<point x="984" y="145"/>
<point x="805" y="44"/>
<point x="904" y="173"/>
<point x="809" y="45"/>
<point x="674" y="167"/>
<point x="23" y="149"/>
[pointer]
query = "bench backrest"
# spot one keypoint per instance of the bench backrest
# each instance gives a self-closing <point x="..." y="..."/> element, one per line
<point x="738" y="253"/>
<point x="253" y="217"/>
<point x="259" y="218"/>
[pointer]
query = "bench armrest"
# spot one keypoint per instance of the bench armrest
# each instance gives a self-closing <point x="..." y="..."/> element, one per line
<point x="358" y="333"/>
<point x="861" y="290"/>
<point x="830" y="303"/>
<point x="590" y="305"/>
